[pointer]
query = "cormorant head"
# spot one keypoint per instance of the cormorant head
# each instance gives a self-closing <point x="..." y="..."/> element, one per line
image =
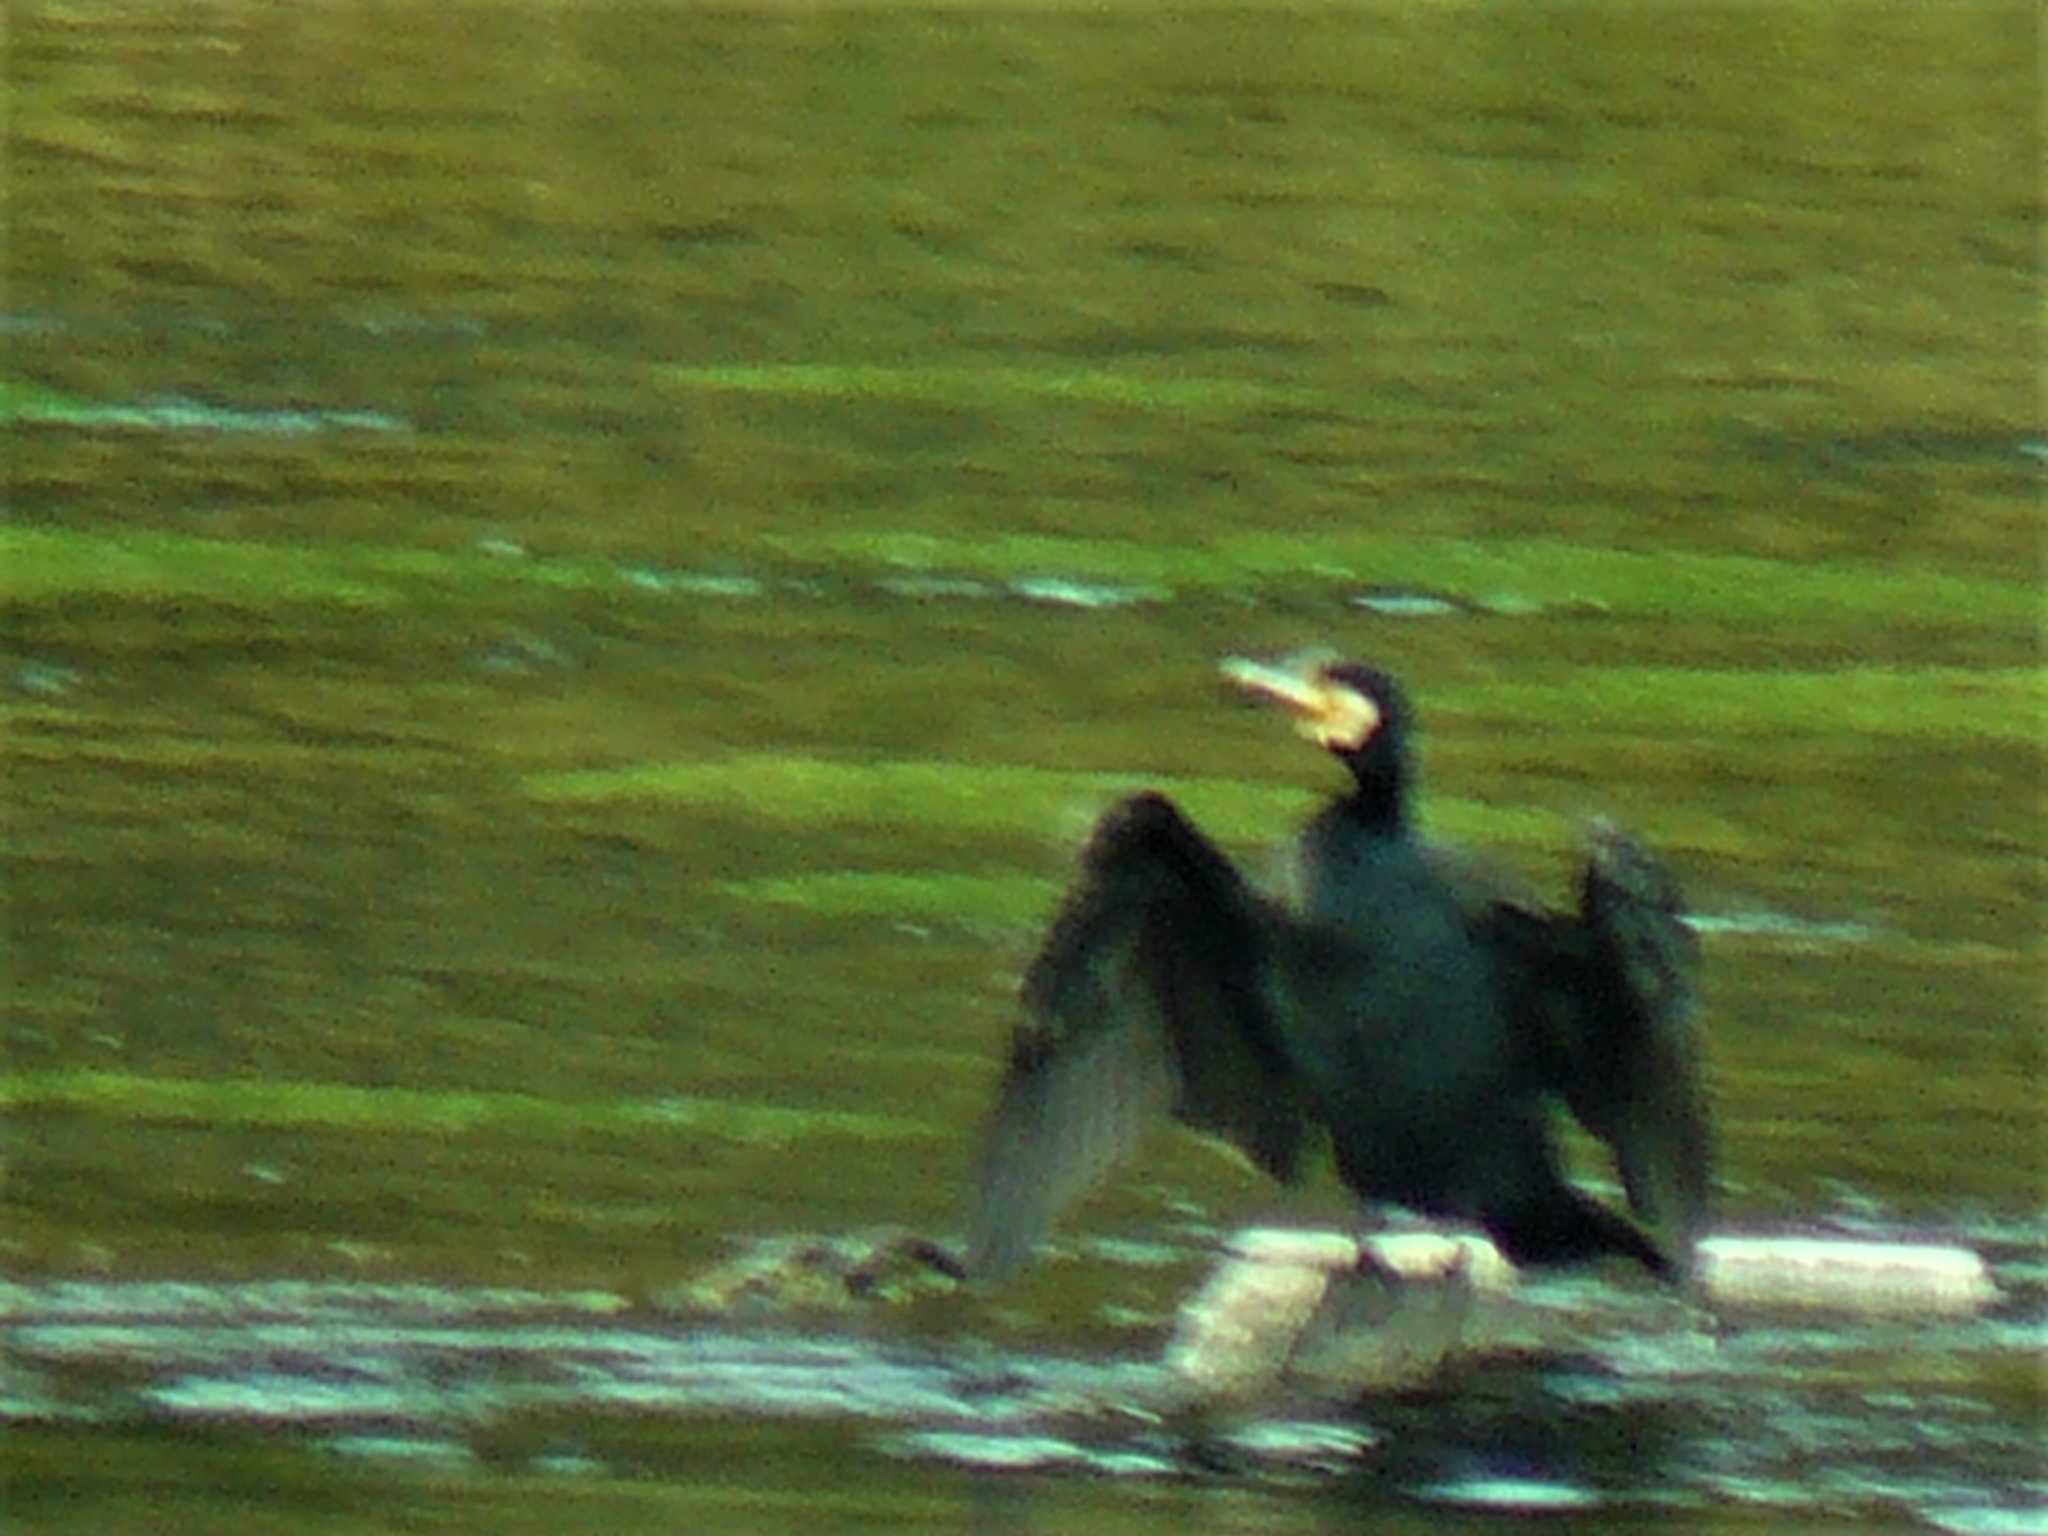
<point x="1354" y="711"/>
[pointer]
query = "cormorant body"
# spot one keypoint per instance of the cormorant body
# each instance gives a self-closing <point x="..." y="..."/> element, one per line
<point x="1424" y="1028"/>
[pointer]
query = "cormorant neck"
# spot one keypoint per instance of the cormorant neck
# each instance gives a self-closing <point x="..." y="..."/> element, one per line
<point x="1379" y="796"/>
<point x="1345" y="849"/>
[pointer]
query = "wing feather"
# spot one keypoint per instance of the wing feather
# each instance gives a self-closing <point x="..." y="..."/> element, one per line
<point x="1605" y="1003"/>
<point x="1149" y="998"/>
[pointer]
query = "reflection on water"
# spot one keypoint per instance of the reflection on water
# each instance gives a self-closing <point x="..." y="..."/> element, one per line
<point x="1632" y="1403"/>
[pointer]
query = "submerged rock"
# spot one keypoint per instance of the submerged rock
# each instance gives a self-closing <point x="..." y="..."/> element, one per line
<point x="1839" y="1274"/>
<point x="1328" y="1312"/>
<point x="808" y="1274"/>
<point x="1323" y="1312"/>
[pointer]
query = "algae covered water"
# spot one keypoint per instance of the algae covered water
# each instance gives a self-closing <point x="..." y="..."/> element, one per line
<point x="575" y="576"/>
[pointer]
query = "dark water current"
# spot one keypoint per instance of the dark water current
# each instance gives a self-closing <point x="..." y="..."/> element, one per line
<point x="571" y="577"/>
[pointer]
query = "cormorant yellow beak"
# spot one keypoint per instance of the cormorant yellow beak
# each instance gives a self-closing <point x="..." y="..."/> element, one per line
<point x="1328" y="711"/>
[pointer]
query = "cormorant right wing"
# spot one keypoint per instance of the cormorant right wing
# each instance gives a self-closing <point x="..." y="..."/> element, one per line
<point x="1606" y="1000"/>
<point x="1151" y="996"/>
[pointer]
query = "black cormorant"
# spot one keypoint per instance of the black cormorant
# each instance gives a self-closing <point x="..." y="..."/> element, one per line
<point x="1425" y="1026"/>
